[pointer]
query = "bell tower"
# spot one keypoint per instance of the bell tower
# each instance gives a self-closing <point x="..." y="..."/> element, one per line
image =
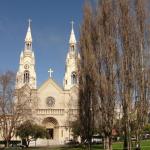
<point x="71" y="76"/>
<point x="26" y="73"/>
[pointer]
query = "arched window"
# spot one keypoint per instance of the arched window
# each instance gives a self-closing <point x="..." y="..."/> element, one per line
<point x="72" y="47"/>
<point x="74" y="78"/>
<point x="26" y="76"/>
<point x="28" y="46"/>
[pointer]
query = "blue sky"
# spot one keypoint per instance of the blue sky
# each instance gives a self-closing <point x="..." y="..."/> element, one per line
<point x="50" y="32"/>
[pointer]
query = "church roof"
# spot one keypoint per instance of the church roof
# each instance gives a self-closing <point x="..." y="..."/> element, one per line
<point x="52" y="82"/>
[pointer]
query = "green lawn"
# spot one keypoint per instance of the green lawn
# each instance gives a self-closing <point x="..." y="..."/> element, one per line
<point x="116" y="146"/>
<point x="145" y="145"/>
<point x="95" y="147"/>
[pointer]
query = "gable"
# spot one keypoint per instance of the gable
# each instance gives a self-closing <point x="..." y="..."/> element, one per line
<point x="50" y="83"/>
<point x="50" y="89"/>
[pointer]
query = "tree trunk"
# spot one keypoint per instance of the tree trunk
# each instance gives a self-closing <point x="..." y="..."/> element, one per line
<point x="137" y="138"/>
<point x="35" y="143"/>
<point x="110" y="143"/>
<point x="28" y="142"/>
<point x="89" y="146"/>
<point x="107" y="143"/>
<point x="7" y="143"/>
<point x="127" y="138"/>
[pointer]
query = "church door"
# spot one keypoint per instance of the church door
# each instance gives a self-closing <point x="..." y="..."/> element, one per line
<point x="51" y="125"/>
<point x="50" y="133"/>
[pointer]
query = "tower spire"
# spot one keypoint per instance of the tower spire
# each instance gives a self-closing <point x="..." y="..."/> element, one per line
<point x="71" y="78"/>
<point x="28" y="38"/>
<point x="26" y="72"/>
<point x="72" y="35"/>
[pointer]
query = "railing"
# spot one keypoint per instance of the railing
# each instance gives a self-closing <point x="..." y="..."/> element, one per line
<point x="50" y="111"/>
<point x="73" y="111"/>
<point x="56" y="111"/>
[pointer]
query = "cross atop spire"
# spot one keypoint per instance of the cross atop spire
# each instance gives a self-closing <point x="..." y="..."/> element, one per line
<point x="28" y="38"/>
<point x="28" y="35"/>
<point x="29" y="22"/>
<point x="72" y="35"/>
<point x="72" y="23"/>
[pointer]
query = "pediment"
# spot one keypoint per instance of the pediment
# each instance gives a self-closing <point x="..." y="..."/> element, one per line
<point x="50" y="89"/>
<point x="48" y="84"/>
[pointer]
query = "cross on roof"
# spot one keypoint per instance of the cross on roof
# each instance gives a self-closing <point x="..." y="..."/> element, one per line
<point x="50" y="72"/>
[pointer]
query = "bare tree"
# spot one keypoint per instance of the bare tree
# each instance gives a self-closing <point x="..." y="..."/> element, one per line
<point x="133" y="81"/>
<point x="141" y="70"/>
<point x="98" y="71"/>
<point x="106" y="55"/>
<point x="14" y="106"/>
<point x="86" y="79"/>
<point x="113" y="45"/>
<point x="72" y="115"/>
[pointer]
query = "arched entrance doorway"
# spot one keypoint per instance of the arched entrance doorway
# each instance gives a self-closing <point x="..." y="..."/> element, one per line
<point x="52" y="126"/>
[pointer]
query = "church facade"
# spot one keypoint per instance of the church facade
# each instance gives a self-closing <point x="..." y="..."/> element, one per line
<point x="55" y="107"/>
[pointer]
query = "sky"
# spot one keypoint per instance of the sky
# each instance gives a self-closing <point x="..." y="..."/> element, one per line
<point x="50" y="32"/>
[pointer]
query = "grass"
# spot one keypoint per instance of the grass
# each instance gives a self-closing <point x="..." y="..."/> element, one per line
<point x="94" y="147"/>
<point x="145" y="145"/>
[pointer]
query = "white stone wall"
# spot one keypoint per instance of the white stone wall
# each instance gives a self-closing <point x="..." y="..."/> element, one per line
<point x="26" y="58"/>
<point x="64" y="100"/>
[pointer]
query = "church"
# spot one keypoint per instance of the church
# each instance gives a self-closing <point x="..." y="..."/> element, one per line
<point x="55" y="107"/>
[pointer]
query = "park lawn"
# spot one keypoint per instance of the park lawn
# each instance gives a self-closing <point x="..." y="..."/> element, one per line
<point x="145" y="145"/>
<point x="94" y="147"/>
<point x="117" y="145"/>
<point x="56" y="148"/>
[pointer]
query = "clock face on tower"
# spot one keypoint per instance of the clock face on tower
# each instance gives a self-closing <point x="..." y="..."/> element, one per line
<point x="50" y="101"/>
<point x="26" y="66"/>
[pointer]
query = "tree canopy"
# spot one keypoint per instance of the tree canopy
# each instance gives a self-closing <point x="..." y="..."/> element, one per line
<point x="30" y="131"/>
